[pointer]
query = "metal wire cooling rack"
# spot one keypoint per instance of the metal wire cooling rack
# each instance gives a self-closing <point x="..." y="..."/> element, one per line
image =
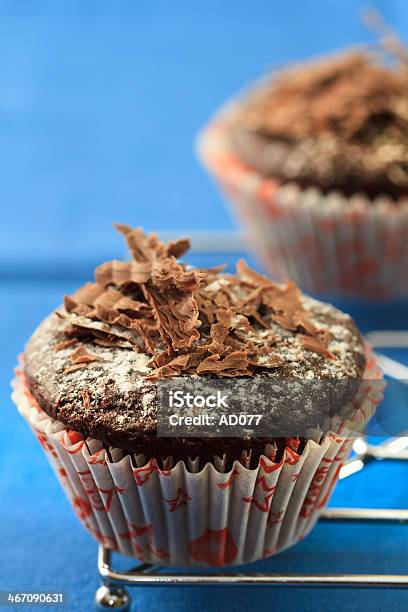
<point x="114" y="595"/>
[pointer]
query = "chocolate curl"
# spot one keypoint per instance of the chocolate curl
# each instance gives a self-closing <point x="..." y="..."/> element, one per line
<point x="286" y="298"/>
<point x="120" y="273"/>
<point x="148" y="247"/>
<point x="93" y="301"/>
<point x="80" y="358"/>
<point x="251" y="276"/>
<point x="314" y="344"/>
<point x="64" y="344"/>
<point x="71" y="306"/>
<point x="87" y="294"/>
<point x="143" y="247"/>
<point x="81" y="355"/>
<point x="172" y="368"/>
<point x="177" y="248"/>
<point x="234" y="364"/>
<point x="167" y="273"/>
<point x="169" y="289"/>
<point x="206" y="306"/>
<point x="82" y="326"/>
<point x="177" y="317"/>
<point x="93" y="295"/>
<point x="224" y="317"/>
<point x="285" y="302"/>
<point x="218" y="334"/>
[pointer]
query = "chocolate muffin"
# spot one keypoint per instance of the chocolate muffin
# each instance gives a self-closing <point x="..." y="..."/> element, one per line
<point x="89" y="387"/>
<point x="338" y="123"/>
<point x="314" y="161"/>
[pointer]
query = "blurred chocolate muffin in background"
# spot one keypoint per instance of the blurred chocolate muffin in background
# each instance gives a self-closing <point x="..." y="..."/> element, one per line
<point x="315" y="161"/>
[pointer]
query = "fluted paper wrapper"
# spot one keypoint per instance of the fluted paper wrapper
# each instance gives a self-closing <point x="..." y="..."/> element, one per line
<point x="179" y="516"/>
<point x="326" y="243"/>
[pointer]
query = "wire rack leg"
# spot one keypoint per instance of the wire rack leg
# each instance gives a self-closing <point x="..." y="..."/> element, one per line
<point x="112" y="597"/>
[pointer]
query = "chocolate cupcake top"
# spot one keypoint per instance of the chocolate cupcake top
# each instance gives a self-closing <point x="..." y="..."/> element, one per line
<point x="95" y="363"/>
<point x="340" y="123"/>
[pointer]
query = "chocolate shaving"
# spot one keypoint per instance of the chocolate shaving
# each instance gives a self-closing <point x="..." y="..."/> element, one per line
<point x="120" y="273"/>
<point x="81" y="326"/>
<point x="81" y="355"/>
<point x="86" y="398"/>
<point x="206" y="307"/>
<point x="224" y="317"/>
<point x="218" y="335"/>
<point x="178" y="248"/>
<point x="256" y="279"/>
<point x="64" y="344"/>
<point x="173" y="367"/>
<point x="149" y="248"/>
<point x="72" y="306"/>
<point x="325" y="337"/>
<point x="234" y="362"/>
<point x="314" y="344"/>
<point x="177" y="318"/>
<point x="187" y="321"/>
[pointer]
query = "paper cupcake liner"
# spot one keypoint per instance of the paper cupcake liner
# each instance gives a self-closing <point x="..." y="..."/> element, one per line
<point x="326" y="243"/>
<point x="182" y="515"/>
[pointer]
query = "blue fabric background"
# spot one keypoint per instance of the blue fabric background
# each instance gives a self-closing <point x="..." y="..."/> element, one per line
<point x="99" y="106"/>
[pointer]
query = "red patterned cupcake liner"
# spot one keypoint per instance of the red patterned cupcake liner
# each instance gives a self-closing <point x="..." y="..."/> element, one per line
<point x="182" y="516"/>
<point x="326" y="243"/>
